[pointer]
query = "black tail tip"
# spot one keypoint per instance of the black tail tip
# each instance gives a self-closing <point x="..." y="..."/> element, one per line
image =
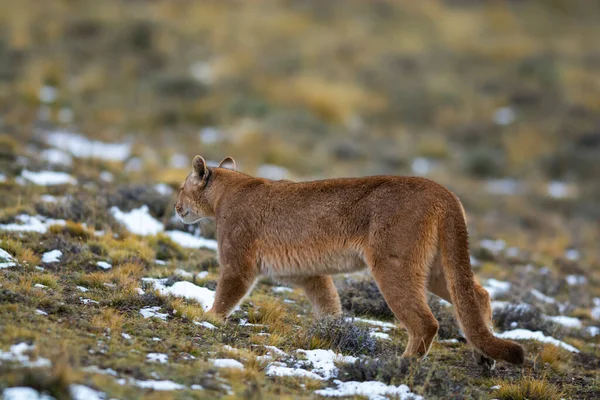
<point x="515" y="354"/>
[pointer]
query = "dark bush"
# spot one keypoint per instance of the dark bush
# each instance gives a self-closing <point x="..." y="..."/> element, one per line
<point x="484" y="163"/>
<point x="523" y="316"/>
<point x="448" y="325"/>
<point x="343" y="336"/>
<point x="128" y="197"/>
<point x="362" y="297"/>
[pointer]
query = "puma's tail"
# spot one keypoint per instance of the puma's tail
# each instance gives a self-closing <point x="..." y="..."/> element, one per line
<point x="454" y="248"/>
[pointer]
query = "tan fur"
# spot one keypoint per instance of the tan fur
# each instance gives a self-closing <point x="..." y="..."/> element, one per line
<point x="410" y="232"/>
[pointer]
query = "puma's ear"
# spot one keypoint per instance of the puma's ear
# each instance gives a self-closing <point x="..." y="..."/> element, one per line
<point x="199" y="166"/>
<point x="228" y="162"/>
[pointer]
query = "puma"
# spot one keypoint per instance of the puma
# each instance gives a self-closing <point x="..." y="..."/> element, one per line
<point x="410" y="232"/>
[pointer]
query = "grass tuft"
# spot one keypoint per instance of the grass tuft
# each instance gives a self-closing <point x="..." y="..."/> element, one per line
<point x="527" y="388"/>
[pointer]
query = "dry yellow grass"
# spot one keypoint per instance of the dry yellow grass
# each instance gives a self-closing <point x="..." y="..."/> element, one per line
<point x="108" y="319"/>
<point x="527" y="388"/>
<point x="73" y="229"/>
<point x="556" y="357"/>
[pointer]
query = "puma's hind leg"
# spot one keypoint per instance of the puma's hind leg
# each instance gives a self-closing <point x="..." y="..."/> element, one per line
<point x="485" y="308"/>
<point x="321" y="293"/>
<point x="402" y="284"/>
<point x="437" y="285"/>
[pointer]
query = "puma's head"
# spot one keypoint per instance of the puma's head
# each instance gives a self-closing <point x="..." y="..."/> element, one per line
<point x="192" y="204"/>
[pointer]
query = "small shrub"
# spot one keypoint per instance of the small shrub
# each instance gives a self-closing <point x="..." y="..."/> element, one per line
<point x="389" y="369"/>
<point x="342" y="336"/>
<point x="362" y="297"/>
<point x="527" y="389"/>
<point x="448" y="326"/>
<point x="483" y="163"/>
<point x="9" y="147"/>
<point x="73" y="229"/>
<point x="555" y="356"/>
<point x="108" y="319"/>
<point x="523" y="316"/>
<point x="165" y="247"/>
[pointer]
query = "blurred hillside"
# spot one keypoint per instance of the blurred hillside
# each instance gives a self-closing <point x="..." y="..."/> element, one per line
<point x="497" y="98"/>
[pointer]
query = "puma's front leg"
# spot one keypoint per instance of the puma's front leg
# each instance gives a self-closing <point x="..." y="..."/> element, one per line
<point x="231" y="289"/>
<point x="238" y="273"/>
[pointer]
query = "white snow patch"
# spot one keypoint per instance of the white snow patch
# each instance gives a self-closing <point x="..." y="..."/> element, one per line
<point x="48" y="178"/>
<point x="205" y="324"/>
<point x="542" y="297"/>
<point x="526" y="334"/>
<point x="202" y="295"/>
<point x="157" y="357"/>
<point x="569" y="322"/>
<point x="179" y="160"/>
<point x="183" y="273"/>
<point x="495" y="246"/>
<point x="227" y="363"/>
<point x="504" y="116"/>
<point x="185" y="239"/>
<point x="47" y="94"/>
<point x="153" y="312"/>
<point x="6" y="260"/>
<point x="379" y="335"/>
<point x="163" y="189"/>
<point x="421" y="166"/>
<point x="282" y="289"/>
<point x="273" y="172"/>
<point x="24" y="393"/>
<point x="373" y="390"/>
<point x="138" y="221"/>
<point x="56" y="157"/>
<point x="154" y="385"/>
<point x="322" y="361"/>
<point x="497" y="288"/>
<point x="593" y="331"/>
<point x="51" y="256"/>
<point x="202" y="71"/>
<point x="96" y="370"/>
<point x="16" y="353"/>
<point x="106" y="176"/>
<point x="126" y="336"/>
<point x="202" y="274"/>
<point x="560" y="190"/>
<point x="81" y="392"/>
<point x="276" y="370"/>
<point x="448" y="341"/>
<point x="41" y="312"/>
<point x="386" y="326"/>
<point x="87" y="301"/>
<point x="80" y="146"/>
<point x="505" y="186"/>
<point x="31" y="224"/>
<point x="210" y="135"/>
<point x="595" y="312"/>
<point x="39" y="285"/>
<point x="103" y="265"/>
<point x="48" y="198"/>
<point x="574" y="280"/>
<point x="572" y="254"/>
<point x="82" y="289"/>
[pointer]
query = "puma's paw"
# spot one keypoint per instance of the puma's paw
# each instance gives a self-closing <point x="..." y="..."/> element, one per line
<point x="488" y="363"/>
